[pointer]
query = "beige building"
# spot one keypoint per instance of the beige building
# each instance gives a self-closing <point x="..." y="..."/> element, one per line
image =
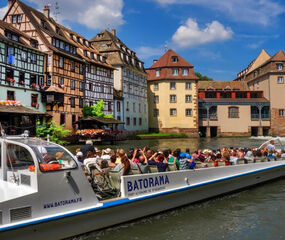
<point x="267" y="74"/>
<point x="172" y="95"/>
<point x="230" y="109"/>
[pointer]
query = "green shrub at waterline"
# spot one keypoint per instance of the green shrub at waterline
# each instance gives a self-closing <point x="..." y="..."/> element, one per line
<point x="157" y="135"/>
<point x="55" y="132"/>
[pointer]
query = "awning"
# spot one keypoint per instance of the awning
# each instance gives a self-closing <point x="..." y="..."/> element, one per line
<point x="54" y="88"/>
<point x="19" y="109"/>
<point x="101" y="120"/>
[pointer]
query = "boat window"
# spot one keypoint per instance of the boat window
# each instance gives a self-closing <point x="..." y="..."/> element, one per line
<point x="18" y="157"/>
<point x="53" y="158"/>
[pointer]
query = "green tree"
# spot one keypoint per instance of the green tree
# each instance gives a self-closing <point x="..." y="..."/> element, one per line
<point x="95" y="110"/>
<point x="203" y="78"/>
<point x="55" y="132"/>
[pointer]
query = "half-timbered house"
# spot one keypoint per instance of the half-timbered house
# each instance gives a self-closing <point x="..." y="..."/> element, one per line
<point x="22" y="68"/>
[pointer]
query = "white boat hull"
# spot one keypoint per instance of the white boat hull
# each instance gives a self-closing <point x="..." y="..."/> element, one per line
<point x="119" y="211"/>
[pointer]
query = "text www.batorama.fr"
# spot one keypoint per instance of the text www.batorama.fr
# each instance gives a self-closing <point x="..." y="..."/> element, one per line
<point x="62" y="203"/>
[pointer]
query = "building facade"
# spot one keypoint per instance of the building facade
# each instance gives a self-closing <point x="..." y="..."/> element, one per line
<point x="231" y="109"/>
<point x="267" y="74"/>
<point x="172" y="95"/>
<point x="22" y="69"/>
<point x="129" y="78"/>
<point x="76" y="73"/>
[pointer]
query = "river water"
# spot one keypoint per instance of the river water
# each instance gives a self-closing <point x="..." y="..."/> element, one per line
<point x="256" y="213"/>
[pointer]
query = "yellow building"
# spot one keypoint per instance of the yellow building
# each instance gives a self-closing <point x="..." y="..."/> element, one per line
<point x="172" y="95"/>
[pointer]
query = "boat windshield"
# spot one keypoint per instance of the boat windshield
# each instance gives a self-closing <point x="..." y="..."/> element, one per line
<point x="53" y="157"/>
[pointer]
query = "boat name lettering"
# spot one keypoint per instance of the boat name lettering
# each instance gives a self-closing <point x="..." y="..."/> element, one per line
<point x="147" y="183"/>
<point x="62" y="203"/>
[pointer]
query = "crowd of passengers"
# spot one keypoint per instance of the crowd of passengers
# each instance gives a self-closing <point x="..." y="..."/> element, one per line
<point x="142" y="159"/>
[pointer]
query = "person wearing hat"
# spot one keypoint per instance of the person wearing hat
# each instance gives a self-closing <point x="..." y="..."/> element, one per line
<point x="106" y="154"/>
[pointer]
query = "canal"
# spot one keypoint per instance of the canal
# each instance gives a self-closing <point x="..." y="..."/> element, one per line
<point x="256" y="213"/>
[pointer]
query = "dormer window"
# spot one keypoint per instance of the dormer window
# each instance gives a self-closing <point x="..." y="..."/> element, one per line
<point x="12" y="36"/>
<point x="84" y="42"/>
<point x="17" y="18"/>
<point x="44" y="24"/>
<point x="279" y="67"/>
<point x="34" y="43"/>
<point x="85" y="53"/>
<point x="174" y="59"/>
<point x="104" y="59"/>
<point x="185" y="72"/>
<point x="71" y="36"/>
<point x="157" y="73"/>
<point x="78" y="39"/>
<point x="175" y="72"/>
<point x="92" y="55"/>
<point x="57" y="30"/>
<point x="98" y="58"/>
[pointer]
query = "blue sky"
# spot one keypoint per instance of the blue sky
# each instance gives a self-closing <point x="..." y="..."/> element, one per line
<point x="219" y="37"/>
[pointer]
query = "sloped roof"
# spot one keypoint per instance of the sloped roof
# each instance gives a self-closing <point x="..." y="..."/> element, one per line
<point x="19" y="109"/>
<point x="279" y="56"/>
<point x="213" y="85"/>
<point x="54" y="88"/>
<point x="166" y="61"/>
<point x="261" y="59"/>
<point x="101" y="120"/>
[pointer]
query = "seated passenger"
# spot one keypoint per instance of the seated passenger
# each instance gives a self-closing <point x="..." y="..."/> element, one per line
<point x="124" y="168"/>
<point x="183" y="162"/>
<point x="159" y="160"/>
<point x="112" y="163"/>
<point x="90" y="158"/>
<point x="142" y="165"/>
<point x="59" y="157"/>
<point x="283" y="154"/>
<point x="191" y="162"/>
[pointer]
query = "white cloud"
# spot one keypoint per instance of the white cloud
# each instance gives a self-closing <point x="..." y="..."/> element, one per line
<point x="252" y="11"/>
<point x="190" y="34"/>
<point x="95" y="14"/>
<point x="3" y="11"/>
<point x="148" y="52"/>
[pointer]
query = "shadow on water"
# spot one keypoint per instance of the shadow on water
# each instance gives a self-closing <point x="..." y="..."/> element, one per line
<point x="256" y="213"/>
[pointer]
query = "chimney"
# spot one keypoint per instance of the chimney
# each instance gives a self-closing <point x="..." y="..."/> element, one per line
<point x="10" y="2"/>
<point x="114" y="32"/>
<point x="46" y="11"/>
<point x="154" y="61"/>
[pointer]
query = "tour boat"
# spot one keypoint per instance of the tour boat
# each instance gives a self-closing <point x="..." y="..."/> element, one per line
<point x="55" y="200"/>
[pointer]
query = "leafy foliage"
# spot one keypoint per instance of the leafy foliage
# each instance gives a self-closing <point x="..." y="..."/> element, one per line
<point x="203" y="78"/>
<point x="95" y="110"/>
<point x="56" y="132"/>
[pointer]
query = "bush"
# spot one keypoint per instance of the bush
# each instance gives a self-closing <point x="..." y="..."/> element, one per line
<point x="56" y="132"/>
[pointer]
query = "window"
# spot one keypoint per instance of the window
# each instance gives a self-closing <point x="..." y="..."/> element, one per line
<point x="90" y="103"/>
<point x="185" y="72"/>
<point x="43" y="23"/>
<point x="128" y="120"/>
<point x="61" y="62"/>
<point x="72" y="102"/>
<point x="118" y="106"/>
<point x="140" y="121"/>
<point x="281" y="112"/>
<point x="172" y="86"/>
<point x="72" y="85"/>
<point x="140" y="110"/>
<point x="34" y="100"/>
<point x="61" y="81"/>
<point x="81" y="86"/>
<point x="72" y="66"/>
<point x="173" y="112"/>
<point x="188" y="112"/>
<point x="11" y="95"/>
<point x="34" y="44"/>
<point x="22" y="78"/>
<point x="61" y="45"/>
<point x="279" y="67"/>
<point x="85" y="53"/>
<point x="188" y="98"/>
<point x="21" y="157"/>
<point x="172" y="98"/>
<point x="24" y="56"/>
<point x="156" y="112"/>
<point x="62" y="118"/>
<point x="110" y="106"/>
<point x="127" y="107"/>
<point x="92" y="55"/>
<point x="71" y="36"/>
<point x="135" y="121"/>
<point x="280" y="80"/>
<point x="157" y="73"/>
<point x="155" y="86"/>
<point x="73" y="119"/>
<point x="134" y="107"/>
<point x="233" y="112"/>
<point x="33" y="58"/>
<point x="174" y="59"/>
<point x="156" y="99"/>
<point x="80" y="69"/>
<point x="19" y="18"/>
<point x="175" y="72"/>
<point x="81" y="102"/>
<point x="10" y="55"/>
<point x="14" y="18"/>
<point x="90" y="85"/>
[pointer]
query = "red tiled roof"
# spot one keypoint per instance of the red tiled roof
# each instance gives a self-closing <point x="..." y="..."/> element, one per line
<point x="166" y="65"/>
<point x="279" y="56"/>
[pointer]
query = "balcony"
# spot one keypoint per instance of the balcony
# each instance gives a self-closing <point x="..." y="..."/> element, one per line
<point x="264" y="116"/>
<point x="212" y="117"/>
